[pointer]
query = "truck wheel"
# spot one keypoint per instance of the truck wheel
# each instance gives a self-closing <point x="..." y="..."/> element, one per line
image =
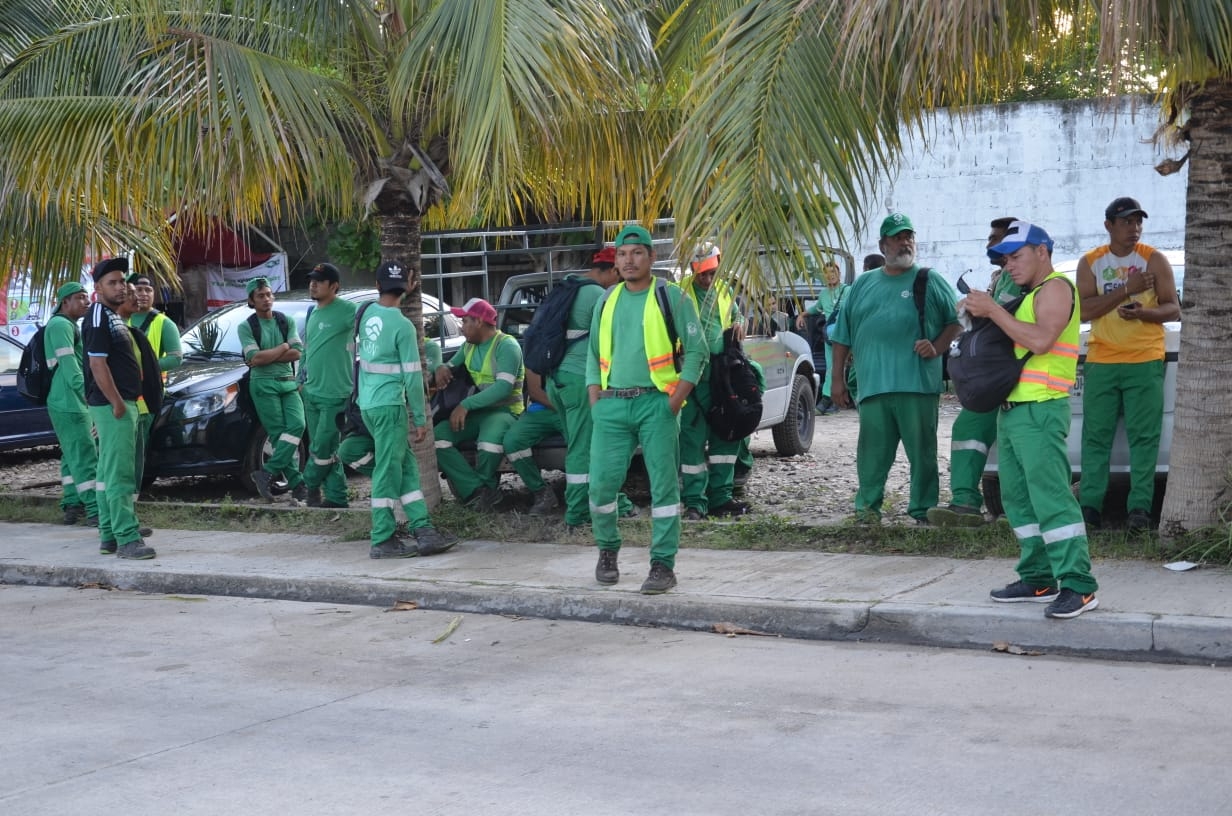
<point x="259" y="451"/>
<point x="794" y="435"/>
<point x="992" y="495"/>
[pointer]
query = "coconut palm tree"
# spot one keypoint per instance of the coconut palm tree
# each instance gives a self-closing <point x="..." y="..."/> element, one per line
<point x="793" y="73"/>
<point x="115" y="114"/>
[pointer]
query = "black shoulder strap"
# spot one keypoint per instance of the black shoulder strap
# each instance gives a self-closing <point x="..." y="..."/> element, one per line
<point x="283" y="326"/>
<point x="359" y="318"/>
<point x="665" y="306"/>
<point x="920" y="290"/>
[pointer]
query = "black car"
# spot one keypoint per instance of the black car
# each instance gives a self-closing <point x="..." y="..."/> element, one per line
<point x="22" y="423"/>
<point x="208" y="424"/>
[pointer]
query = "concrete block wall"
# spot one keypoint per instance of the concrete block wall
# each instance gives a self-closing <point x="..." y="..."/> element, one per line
<point x="1058" y="164"/>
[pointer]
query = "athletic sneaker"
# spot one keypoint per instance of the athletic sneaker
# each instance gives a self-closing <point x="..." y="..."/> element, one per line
<point x="107" y="548"/>
<point x="1070" y="604"/>
<point x="956" y="515"/>
<point x="606" y="571"/>
<point x="660" y="579"/>
<point x="1022" y="592"/>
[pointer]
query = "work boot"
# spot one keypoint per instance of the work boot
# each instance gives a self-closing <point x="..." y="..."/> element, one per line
<point x="261" y="480"/>
<point x="300" y="492"/>
<point x="92" y="521"/>
<point x="660" y="579"/>
<point x="73" y="514"/>
<point x="1092" y="518"/>
<point x="956" y="515"/>
<point x="135" y="551"/>
<point x="485" y="500"/>
<point x="432" y="541"/>
<point x="107" y="548"/>
<point x="731" y="508"/>
<point x="606" y="571"/>
<point x="393" y="547"/>
<point x="545" y="502"/>
<point x="693" y="514"/>
<point x="1138" y="521"/>
<point x="313" y="497"/>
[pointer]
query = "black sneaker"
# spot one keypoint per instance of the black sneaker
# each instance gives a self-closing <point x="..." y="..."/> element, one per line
<point x="1022" y="592"/>
<point x="393" y="547"/>
<point x="1138" y="521"/>
<point x="1092" y="518"/>
<point x="261" y="480"/>
<point x="955" y="515"/>
<point x="1070" y="604"/>
<point x="606" y="571"/>
<point x="313" y="497"/>
<point x="73" y="514"/>
<point x="660" y="579"/>
<point x="300" y="492"/>
<point x="135" y="551"/>
<point x="731" y="508"/>
<point x="107" y="548"/>
<point x="432" y="541"/>
<point x="693" y="514"/>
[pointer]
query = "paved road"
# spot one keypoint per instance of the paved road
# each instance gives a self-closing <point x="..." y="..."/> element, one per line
<point x="119" y="702"/>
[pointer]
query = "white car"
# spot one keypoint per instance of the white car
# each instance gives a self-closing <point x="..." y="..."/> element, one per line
<point x="1119" y="466"/>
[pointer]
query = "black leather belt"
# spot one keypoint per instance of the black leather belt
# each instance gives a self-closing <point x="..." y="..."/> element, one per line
<point x="1010" y="406"/>
<point x="624" y="393"/>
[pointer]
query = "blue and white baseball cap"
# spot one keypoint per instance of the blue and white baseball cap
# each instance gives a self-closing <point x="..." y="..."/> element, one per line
<point x="1019" y="235"/>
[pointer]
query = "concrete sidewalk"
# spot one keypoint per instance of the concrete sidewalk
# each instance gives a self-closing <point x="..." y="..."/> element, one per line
<point x="1146" y="612"/>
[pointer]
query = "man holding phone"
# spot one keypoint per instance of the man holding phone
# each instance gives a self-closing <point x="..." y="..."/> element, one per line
<point x="1127" y="292"/>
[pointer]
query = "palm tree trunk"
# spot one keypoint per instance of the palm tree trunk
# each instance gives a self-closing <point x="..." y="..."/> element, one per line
<point x="400" y="242"/>
<point x="1199" y="479"/>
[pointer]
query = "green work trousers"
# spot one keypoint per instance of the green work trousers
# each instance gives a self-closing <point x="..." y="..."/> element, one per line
<point x="487" y="428"/>
<point x="78" y="459"/>
<point x="144" y="423"/>
<point x="707" y="463"/>
<point x="885" y="420"/>
<point x="281" y="411"/>
<point x="114" y="480"/>
<point x="323" y="469"/>
<point x="357" y="451"/>
<point x="1035" y="489"/>
<point x="825" y="384"/>
<point x="571" y="399"/>
<point x="395" y="473"/>
<point x="531" y="428"/>
<point x="620" y="425"/>
<point x="973" y="435"/>
<point x="1110" y="391"/>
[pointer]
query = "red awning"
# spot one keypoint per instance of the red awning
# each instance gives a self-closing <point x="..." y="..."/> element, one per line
<point x="216" y="245"/>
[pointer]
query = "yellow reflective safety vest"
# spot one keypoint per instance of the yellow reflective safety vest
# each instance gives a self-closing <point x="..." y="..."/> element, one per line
<point x="485" y="376"/>
<point x="660" y="352"/>
<point x="723" y="300"/>
<point x="1048" y="376"/>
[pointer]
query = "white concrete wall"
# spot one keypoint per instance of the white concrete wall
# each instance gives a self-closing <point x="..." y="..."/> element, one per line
<point x="1057" y="164"/>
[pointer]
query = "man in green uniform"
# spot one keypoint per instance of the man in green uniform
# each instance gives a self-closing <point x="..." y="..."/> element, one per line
<point x="899" y="368"/>
<point x="974" y="433"/>
<point x="66" y="405"/>
<point x="270" y="352"/>
<point x="113" y="384"/>
<point x="159" y="329"/>
<point x="829" y="299"/>
<point x="390" y="380"/>
<point x="1055" y="563"/>
<point x="327" y="371"/>
<point x="494" y="361"/>
<point x="708" y="463"/>
<point x="636" y="393"/>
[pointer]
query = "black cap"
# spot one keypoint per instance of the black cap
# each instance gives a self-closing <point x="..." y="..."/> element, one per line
<point x="326" y="272"/>
<point x="392" y="276"/>
<point x="1123" y="207"/>
<point x="108" y="265"/>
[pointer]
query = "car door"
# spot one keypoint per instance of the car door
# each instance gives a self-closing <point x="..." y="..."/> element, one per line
<point x="22" y="423"/>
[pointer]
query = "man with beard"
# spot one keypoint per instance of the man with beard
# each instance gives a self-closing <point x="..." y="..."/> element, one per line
<point x="327" y="372"/>
<point x="66" y="405"/>
<point x="899" y="348"/>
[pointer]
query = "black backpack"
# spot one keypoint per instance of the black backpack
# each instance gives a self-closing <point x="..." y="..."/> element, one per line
<point x="546" y="339"/>
<point x="735" y="394"/>
<point x="33" y="373"/>
<point x="983" y="366"/>
<point x="919" y="292"/>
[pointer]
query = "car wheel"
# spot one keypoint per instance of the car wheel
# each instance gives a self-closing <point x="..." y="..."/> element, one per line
<point x="991" y="486"/>
<point x="260" y="449"/>
<point x="794" y="435"/>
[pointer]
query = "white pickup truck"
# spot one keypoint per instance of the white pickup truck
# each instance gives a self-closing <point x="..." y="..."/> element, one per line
<point x="792" y="384"/>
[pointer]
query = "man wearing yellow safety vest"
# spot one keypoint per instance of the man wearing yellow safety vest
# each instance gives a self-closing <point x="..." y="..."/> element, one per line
<point x="159" y="329"/>
<point x="708" y="463"/>
<point x="494" y="361"/>
<point x="637" y="386"/>
<point x="1055" y="563"/>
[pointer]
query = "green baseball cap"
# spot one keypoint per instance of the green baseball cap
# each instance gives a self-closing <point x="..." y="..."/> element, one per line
<point x="255" y="284"/>
<point x="68" y="290"/>
<point x="633" y="234"/>
<point x="895" y="223"/>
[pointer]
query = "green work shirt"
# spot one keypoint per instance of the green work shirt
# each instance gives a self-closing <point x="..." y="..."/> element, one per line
<point x="390" y="372"/>
<point x="629" y="366"/>
<point x="506" y="368"/>
<point x="574" y="361"/>
<point x="879" y="322"/>
<point x="329" y="350"/>
<point x="65" y="355"/>
<point x="271" y="337"/>
<point x="163" y="335"/>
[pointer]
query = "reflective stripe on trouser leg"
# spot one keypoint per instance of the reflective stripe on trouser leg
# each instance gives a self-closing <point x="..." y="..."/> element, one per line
<point x="1040" y="506"/>
<point x="324" y="469"/>
<point x="78" y="457"/>
<point x="657" y="429"/>
<point x="694" y="471"/>
<point x="614" y="431"/>
<point x="529" y="429"/>
<point x="972" y="436"/>
<point x="356" y="452"/>
<point x="281" y="412"/>
<point x="395" y="474"/>
<point x="572" y="402"/>
<point x="117" y="441"/>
